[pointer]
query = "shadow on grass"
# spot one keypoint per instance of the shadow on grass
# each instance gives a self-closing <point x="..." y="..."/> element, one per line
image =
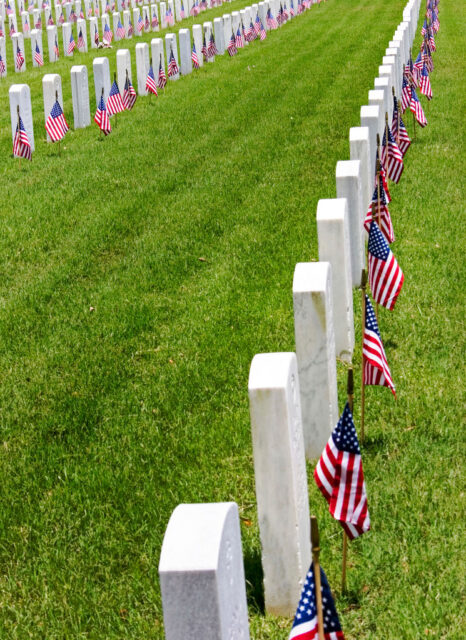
<point x="374" y="443"/>
<point x="254" y="580"/>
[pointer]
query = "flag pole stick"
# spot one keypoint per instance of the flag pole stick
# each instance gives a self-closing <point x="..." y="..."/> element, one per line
<point x="350" y="395"/>
<point x="19" y="130"/>
<point x="397" y="120"/>
<point x="363" y="322"/>
<point x="315" y="542"/>
<point x="116" y="114"/>
<point x="386" y="143"/>
<point x="59" y="148"/>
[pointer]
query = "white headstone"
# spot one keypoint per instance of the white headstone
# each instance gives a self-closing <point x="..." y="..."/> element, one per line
<point x="394" y="52"/>
<point x="208" y="30"/>
<point x="219" y="35"/>
<point x="170" y="45"/>
<point x="80" y="94"/>
<point x="123" y="61"/>
<point x="186" y="65"/>
<point x="334" y="247"/>
<point x="198" y="38"/>
<point x="142" y="66"/>
<point x="26" y="24"/>
<point x="163" y="15"/>
<point x="101" y="78"/>
<point x="52" y="38"/>
<point x="348" y="179"/>
<point x="371" y="118"/>
<point x="156" y="47"/>
<point x="376" y="98"/>
<point x="244" y="22"/>
<point x="263" y="6"/>
<point x="201" y="566"/>
<point x="171" y="7"/>
<point x="136" y="15"/>
<point x="154" y="11"/>
<point x="81" y="27"/>
<point x="20" y="94"/>
<point x="67" y="33"/>
<point x="235" y="21"/>
<point x="280" y="476"/>
<point x="391" y="61"/>
<point x="226" y="29"/>
<point x="3" y="54"/>
<point x="359" y="150"/>
<point x="383" y="84"/>
<point x="17" y="41"/>
<point x="388" y="70"/>
<point x="36" y="40"/>
<point x="126" y="23"/>
<point x="315" y="351"/>
<point x="51" y="87"/>
<point x="146" y="19"/>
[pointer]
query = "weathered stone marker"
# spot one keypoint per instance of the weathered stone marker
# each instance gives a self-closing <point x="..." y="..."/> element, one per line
<point x="80" y="94"/>
<point x="226" y="28"/>
<point x="370" y="118"/>
<point x="66" y="33"/>
<point x="219" y="36"/>
<point x="201" y="569"/>
<point x="197" y="38"/>
<point x="359" y="150"/>
<point x="36" y="39"/>
<point x="101" y="78"/>
<point x="20" y="94"/>
<point x="315" y="351"/>
<point x="123" y="60"/>
<point x="18" y="41"/>
<point x="280" y="476"/>
<point x="383" y="84"/>
<point x="156" y="47"/>
<point x="93" y="29"/>
<point x="348" y="179"/>
<point x="142" y="66"/>
<point x="208" y="30"/>
<point x="334" y="247"/>
<point x="3" y="54"/>
<point x="154" y="10"/>
<point x="170" y="45"/>
<point x="51" y="88"/>
<point x="376" y="98"/>
<point x="51" y="39"/>
<point x="186" y="65"/>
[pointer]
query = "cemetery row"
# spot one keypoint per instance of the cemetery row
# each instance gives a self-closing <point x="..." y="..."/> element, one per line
<point x="80" y="29"/>
<point x="225" y="34"/>
<point x="293" y="396"/>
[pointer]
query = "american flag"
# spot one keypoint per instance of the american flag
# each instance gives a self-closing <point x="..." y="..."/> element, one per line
<point x="292" y="13"/>
<point x="71" y="45"/>
<point x="257" y="25"/>
<point x="81" y="15"/>
<point x="130" y="29"/>
<point x="285" y="13"/>
<point x="379" y="167"/>
<point x="280" y="18"/>
<point x="410" y="71"/>
<point x="61" y="19"/>
<point x="155" y="21"/>
<point x="39" y="23"/>
<point x="50" y="21"/>
<point x="151" y="87"/>
<point x="399" y="129"/>
<point x="424" y="86"/>
<point x="262" y="31"/>
<point x="38" y="56"/>
<point x="172" y="66"/>
<point x="182" y="15"/>
<point x="376" y="370"/>
<point x="120" y="30"/>
<point x="386" y="225"/>
<point x="8" y="9"/>
<point x="12" y="29"/>
<point x="426" y="59"/>
<point x="416" y="108"/>
<point x="140" y="24"/>
<point x="194" y="11"/>
<point x="129" y="95"/>
<point x="271" y="22"/>
<point x="169" y="17"/>
<point x="340" y="477"/>
<point x="146" y="23"/>
<point x="21" y="144"/>
<point x="391" y="156"/>
<point x="385" y="275"/>
<point x="26" y="25"/>
<point x="231" y="48"/>
<point x="101" y="117"/>
<point x="431" y="41"/>
<point x="204" y="49"/>
<point x="405" y="94"/>
<point x="239" y="40"/>
<point x="424" y="27"/>
<point x="305" y="626"/>
<point x="250" y="34"/>
<point x="114" y="101"/>
<point x="108" y="34"/>
<point x="96" y="36"/>
<point x="56" y="50"/>
<point x="162" y="78"/>
<point x="212" y="48"/>
<point x="81" y="43"/>
<point x="19" y="58"/>
<point x="2" y="66"/>
<point x="194" y="57"/>
<point x="73" y="16"/>
<point x="56" y="124"/>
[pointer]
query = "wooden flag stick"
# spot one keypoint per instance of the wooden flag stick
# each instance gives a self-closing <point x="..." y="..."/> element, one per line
<point x="19" y="131"/>
<point x="350" y="396"/>
<point x="116" y="114"/>
<point x="315" y="541"/>
<point x="363" y="322"/>
<point x="397" y="120"/>
<point x="386" y="143"/>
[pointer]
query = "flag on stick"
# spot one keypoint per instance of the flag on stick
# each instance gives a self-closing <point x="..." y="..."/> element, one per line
<point x="151" y="87"/>
<point x="108" y="34"/>
<point x="376" y="370"/>
<point x="129" y="94"/>
<point x="239" y="39"/>
<point x="391" y="156"/>
<point x="340" y="478"/>
<point x="399" y="130"/>
<point x="115" y="101"/>
<point x="172" y="66"/>
<point x="162" y="78"/>
<point x="81" y="43"/>
<point x="378" y="208"/>
<point x="2" y="66"/>
<point x="38" y="56"/>
<point x="194" y="57"/>
<point x="416" y="108"/>
<point x="424" y="86"/>
<point x="56" y="124"/>
<point x="231" y="47"/>
<point x="120" y="30"/>
<point x="385" y="275"/>
<point x="101" y="116"/>
<point x="21" y="144"/>
<point x="19" y="58"/>
<point x="71" y="45"/>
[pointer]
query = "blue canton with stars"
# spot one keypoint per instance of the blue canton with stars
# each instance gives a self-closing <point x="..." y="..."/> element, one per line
<point x="377" y="245"/>
<point x="307" y="608"/>
<point x="371" y="320"/>
<point x="344" y="435"/>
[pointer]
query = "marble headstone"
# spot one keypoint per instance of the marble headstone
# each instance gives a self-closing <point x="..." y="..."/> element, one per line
<point x="80" y="95"/>
<point x="170" y="45"/>
<point x="123" y="61"/>
<point x="186" y="65"/>
<point x="198" y="38"/>
<point x="101" y="78"/>
<point x="51" y="87"/>
<point x="219" y="35"/>
<point x="359" y="150"/>
<point x="20" y="94"/>
<point x="371" y="118"/>
<point x="142" y="66"/>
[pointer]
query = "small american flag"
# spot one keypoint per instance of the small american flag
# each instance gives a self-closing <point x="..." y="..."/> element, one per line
<point x="50" y="21"/>
<point x="239" y="40"/>
<point x="212" y="48"/>
<point x="146" y="23"/>
<point x="399" y="129"/>
<point x="250" y="33"/>
<point x="292" y="13"/>
<point x="151" y="87"/>
<point x="56" y="50"/>
<point x="410" y="71"/>
<point x="81" y="43"/>
<point x="19" y="58"/>
<point x="73" y="16"/>
<point x="416" y="108"/>
<point x="424" y="27"/>
<point x="169" y="17"/>
<point x="231" y="48"/>
<point x="71" y="45"/>
<point x="405" y="94"/>
<point x="21" y="144"/>
<point x="194" y="11"/>
<point x="204" y="50"/>
<point x="108" y="34"/>
<point x="120" y="30"/>
<point x="8" y="9"/>
<point x="424" y="86"/>
<point x="39" y="23"/>
<point x="376" y="371"/>
<point x="386" y="225"/>
<point x="130" y="29"/>
<point x="182" y="14"/>
<point x="194" y="58"/>
<point x="262" y="31"/>
<point x="26" y="25"/>
<point x="155" y="21"/>
<point x="56" y="125"/>
<point x="271" y="22"/>
<point x="38" y="56"/>
<point x="129" y="95"/>
<point x="385" y="275"/>
<point x="12" y="29"/>
<point x="140" y="24"/>
<point x="391" y="156"/>
<point x="101" y="117"/>
<point x="96" y="36"/>
<point x="115" y="102"/>
<point x="340" y="477"/>
<point x="2" y="66"/>
<point x="172" y="66"/>
<point x="305" y="625"/>
<point x="162" y="78"/>
<point x="61" y="19"/>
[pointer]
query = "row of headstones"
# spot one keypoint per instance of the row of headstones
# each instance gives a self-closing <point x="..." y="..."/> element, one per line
<point x="222" y="27"/>
<point x="293" y="408"/>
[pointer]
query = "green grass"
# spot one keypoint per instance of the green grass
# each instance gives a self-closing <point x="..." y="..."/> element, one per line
<point x="110" y="418"/>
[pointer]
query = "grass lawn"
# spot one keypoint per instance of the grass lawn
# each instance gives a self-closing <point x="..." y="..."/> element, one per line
<point x="140" y="274"/>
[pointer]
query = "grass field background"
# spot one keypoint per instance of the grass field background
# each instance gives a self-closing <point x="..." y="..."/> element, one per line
<point x="124" y="357"/>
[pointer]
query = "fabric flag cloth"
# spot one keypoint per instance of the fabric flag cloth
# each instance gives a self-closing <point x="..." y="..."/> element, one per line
<point x="385" y="275"/>
<point x="38" y="56"/>
<point x="72" y="45"/>
<point x="21" y="144"/>
<point x="172" y="66"/>
<point x="292" y="13"/>
<point x="56" y="50"/>
<point x="108" y="34"/>
<point x="257" y="25"/>
<point x="140" y="24"/>
<point x="2" y="66"/>
<point x="305" y="625"/>
<point x="262" y="32"/>
<point x="271" y="22"/>
<point x="212" y="48"/>
<point x="81" y="43"/>
<point x="19" y="58"/>
<point x="416" y="108"/>
<point x="120" y="30"/>
<point x="399" y="130"/>
<point x="405" y="94"/>
<point x="379" y="166"/>
<point x="391" y="156"/>
<point x="182" y="13"/>
<point x="204" y="49"/>
<point x="129" y="95"/>
<point x="162" y="78"/>
<point x="151" y="87"/>
<point x="376" y="370"/>
<point x="130" y="28"/>
<point x="340" y="478"/>
<point x="386" y="225"/>
<point x="101" y="117"/>
<point x="231" y="48"/>
<point x="239" y="40"/>
<point x="424" y="86"/>
<point x="146" y="23"/>
<point x="155" y="21"/>
<point x="96" y="36"/>
<point x="194" y="58"/>
<point x="114" y="101"/>
<point x="250" y="33"/>
<point x="56" y="124"/>
<point x="26" y="26"/>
